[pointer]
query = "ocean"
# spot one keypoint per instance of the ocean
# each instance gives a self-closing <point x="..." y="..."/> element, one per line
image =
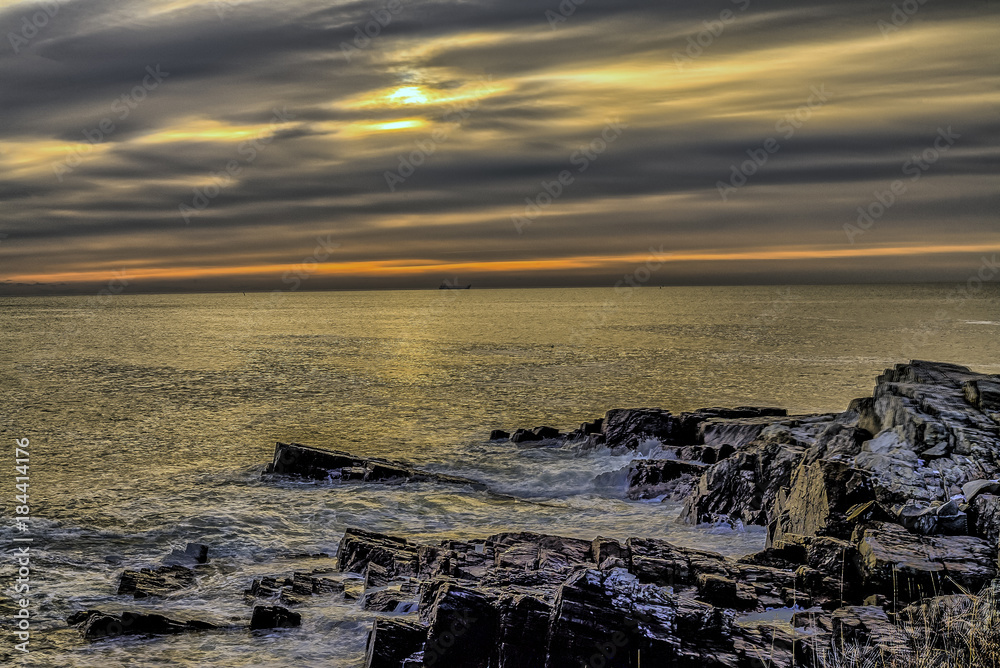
<point x="150" y="418"/>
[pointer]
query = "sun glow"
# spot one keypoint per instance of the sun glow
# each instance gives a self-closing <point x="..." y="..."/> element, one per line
<point x="409" y="95"/>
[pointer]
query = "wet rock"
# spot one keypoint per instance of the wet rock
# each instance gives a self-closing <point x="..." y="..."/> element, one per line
<point x="610" y="619"/>
<point x="273" y="617"/>
<point x="499" y="435"/>
<point x="649" y="478"/>
<point x="391" y="640"/>
<point x="744" y="486"/>
<point x="155" y="582"/>
<point x="301" y="586"/>
<point x="358" y="548"/>
<point x="523" y="624"/>
<point x="524" y="436"/>
<point x="390" y="600"/>
<point x="629" y="427"/>
<point x="333" y="465"/>
<point x="546" y="432"/>
<point x="659" y="562"/>
<point x="193" y="553"/>
<point x="94" y="624"/>
<point x="462" y="627"/>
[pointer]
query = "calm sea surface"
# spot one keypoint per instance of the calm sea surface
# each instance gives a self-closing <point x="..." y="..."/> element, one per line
<point x="150" y="418"/>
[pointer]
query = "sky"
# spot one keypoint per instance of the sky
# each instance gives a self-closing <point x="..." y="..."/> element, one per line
<point x="171" y="145"/>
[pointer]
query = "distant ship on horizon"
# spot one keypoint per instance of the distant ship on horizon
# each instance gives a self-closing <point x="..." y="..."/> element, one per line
<point x="448" y="286"/>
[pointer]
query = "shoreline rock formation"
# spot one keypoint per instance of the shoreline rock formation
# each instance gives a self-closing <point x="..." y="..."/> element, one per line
<point x="875" y="516"/>
<point x="883" y="524"/>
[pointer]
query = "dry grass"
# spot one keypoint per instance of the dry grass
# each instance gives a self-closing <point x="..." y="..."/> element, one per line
<point x="951" y="632"/>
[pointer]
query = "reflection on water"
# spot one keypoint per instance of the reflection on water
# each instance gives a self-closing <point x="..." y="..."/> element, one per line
<point x="151" y="417"/>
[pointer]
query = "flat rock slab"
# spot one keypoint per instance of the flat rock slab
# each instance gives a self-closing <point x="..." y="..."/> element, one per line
<point x="155" y="582"/>
<point x="909" y="567"/>
<point x="94" y="624"/>
<point x="308" y="462"/>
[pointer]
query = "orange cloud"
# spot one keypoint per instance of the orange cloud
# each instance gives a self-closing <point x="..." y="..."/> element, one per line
<point x="417" y="267"/>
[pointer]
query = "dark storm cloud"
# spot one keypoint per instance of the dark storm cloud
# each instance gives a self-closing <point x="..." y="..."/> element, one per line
<point x="699" y="90"/>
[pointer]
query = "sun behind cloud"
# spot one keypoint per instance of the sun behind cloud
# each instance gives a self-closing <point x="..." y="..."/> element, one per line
<point x="409" y="95"/>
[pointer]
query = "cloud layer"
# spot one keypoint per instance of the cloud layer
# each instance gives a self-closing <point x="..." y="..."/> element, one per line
<point x="211" y="145"/>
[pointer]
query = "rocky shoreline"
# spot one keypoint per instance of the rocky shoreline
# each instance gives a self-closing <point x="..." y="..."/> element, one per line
<point x="882" y="522"/>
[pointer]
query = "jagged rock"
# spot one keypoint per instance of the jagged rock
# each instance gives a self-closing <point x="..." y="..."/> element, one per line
<point x="930" y="519"/>
<point x="586" y="429"/>
<point x="768" y="645"/>
<point x="155" y="582"/>
<point x="907" y="566"/>
<point x="318" y="464"/>
<point x="358" y="548"/>
<point x="546" y="432"/>
<point x="389" y="600"/>
<point x="94" y="624"/>
<point x="736" y="433"/>
<point x="499" y="435"/>
<point x="629" y="427"/>
<point x="391" y="640"/>
<point x="523" y="624"/>
<point x="524" y="436"/>
<point x="820" y="500"/>
<point x="294" y="590"/>
<point x="648" y="478"/>
<point x="273" y="617"/>
<point x="659" y="562"/>
<point x="744" y="486"/>
<point x="462" y="627"/>
<point x="983" y="394"/>
<point x="984" y="518"/>
<point x="609" y="619"/>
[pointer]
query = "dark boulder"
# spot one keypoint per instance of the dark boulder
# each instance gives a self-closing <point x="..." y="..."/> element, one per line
<point x="524" y="436"/>
<point x="273" y="617"/>
<point x="193" y="554"/>
<point x="462" y="627"/>
<point x="629" y="427"/>
<point x="499" y="435"/>
<point x="391" y="640"/>
<point x="94" y="624"/>
<point x="648" y="478"/>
